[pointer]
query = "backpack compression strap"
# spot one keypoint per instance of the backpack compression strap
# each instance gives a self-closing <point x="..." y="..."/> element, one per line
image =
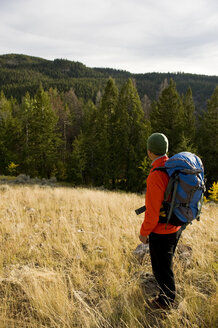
<point x="174" y="181"/>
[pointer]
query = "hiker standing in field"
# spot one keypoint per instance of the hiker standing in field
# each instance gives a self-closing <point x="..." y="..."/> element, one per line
<point x="162" y="239"/>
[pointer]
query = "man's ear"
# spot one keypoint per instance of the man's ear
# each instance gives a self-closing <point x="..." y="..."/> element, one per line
<point x="149" y="153"/>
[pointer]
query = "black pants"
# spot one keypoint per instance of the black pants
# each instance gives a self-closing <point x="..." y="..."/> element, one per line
<point x="162" y="248"/>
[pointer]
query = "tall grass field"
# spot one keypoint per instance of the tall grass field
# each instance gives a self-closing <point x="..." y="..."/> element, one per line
<point x="67" y="260"/>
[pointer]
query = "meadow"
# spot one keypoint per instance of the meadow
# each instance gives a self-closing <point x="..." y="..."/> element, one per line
<point x="67" y="260"/>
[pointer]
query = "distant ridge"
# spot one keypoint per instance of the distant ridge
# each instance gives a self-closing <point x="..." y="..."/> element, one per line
<point x="20" y="73"/>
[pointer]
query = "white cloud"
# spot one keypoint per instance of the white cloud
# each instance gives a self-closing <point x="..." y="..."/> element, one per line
<point x="135" y="35"/>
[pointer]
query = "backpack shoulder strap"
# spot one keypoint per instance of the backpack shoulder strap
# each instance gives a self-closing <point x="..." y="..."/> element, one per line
<point x="160" y="168"/>
<point x="170" y="183"/>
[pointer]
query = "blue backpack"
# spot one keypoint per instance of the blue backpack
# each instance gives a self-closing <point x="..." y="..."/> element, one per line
<point x="184" y="195"/>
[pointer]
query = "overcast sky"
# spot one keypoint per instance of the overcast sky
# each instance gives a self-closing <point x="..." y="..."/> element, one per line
<point x="139" y="36"/>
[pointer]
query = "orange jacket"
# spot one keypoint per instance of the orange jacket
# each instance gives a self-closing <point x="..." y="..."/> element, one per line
<point x="156" y="185"/>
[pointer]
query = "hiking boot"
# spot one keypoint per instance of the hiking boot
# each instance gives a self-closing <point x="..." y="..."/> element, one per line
<point x="157" y="304"/>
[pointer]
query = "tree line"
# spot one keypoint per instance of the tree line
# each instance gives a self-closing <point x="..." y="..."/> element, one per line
<point x="102" y="143"/>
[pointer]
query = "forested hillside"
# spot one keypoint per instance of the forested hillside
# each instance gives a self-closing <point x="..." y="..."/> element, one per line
<point x="89" y="126"/>
<point x="21" y="73"/>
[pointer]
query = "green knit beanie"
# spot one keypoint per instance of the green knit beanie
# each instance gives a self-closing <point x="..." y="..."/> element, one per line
<point x="158" y="144"/>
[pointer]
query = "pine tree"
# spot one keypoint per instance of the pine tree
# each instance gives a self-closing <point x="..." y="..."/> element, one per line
<point x="167" y="117"/>
<point x="98" y="98"/>
<point x="10" y="134"/>
<point x="208" y="138"/>
<point x="146" y="106"/>
<point x="164" y="84"/>
<point x="41" y="138"/>
<point x="82" y="165"/>
<point x="64" y="123"/>
<point x="131" y="134"/>
<point x="74" y="121"/>
<point x="78" y="160"/>
<point x="105" y="135"/>
<point x="189" y="117"/>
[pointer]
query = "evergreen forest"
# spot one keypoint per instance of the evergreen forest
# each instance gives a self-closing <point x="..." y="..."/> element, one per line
<point x="89" y="126"/>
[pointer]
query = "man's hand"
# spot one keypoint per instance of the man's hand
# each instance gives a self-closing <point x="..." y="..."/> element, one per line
<point x="143" y="239"/>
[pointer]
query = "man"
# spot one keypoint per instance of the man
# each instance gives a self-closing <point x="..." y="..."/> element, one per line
<point x="162" y="239"/>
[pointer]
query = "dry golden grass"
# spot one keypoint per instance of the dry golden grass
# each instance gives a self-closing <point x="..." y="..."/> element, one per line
<point x="66" y="261"/>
